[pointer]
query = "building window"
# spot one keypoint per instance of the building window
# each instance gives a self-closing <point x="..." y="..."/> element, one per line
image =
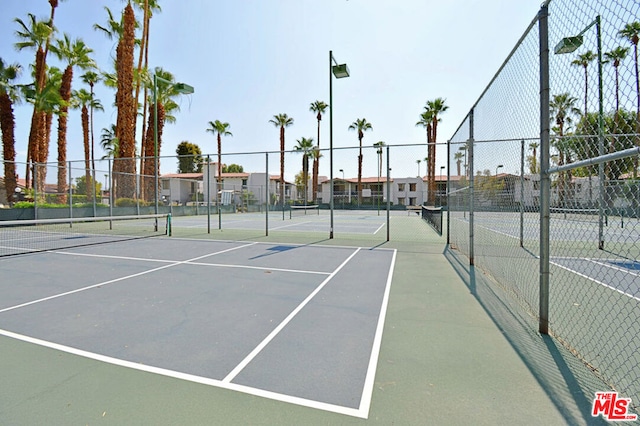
<point x="401" y="187"/>
<point x="401" y="201"/>
<point x="412" y="201"/>
<point x="166" y="184"/>
<point x="412" y="188"/>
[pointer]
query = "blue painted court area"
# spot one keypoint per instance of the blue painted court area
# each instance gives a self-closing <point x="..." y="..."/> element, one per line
<point x="300" y="324"/>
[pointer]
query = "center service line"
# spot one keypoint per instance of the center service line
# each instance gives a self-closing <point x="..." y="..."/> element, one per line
<point x="284" y="323"/>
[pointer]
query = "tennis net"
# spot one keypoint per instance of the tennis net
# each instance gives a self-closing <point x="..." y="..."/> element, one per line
<point x="29" y="236"/>
<point x="295" y="211"/>
<point x="577" y="215"/>
<point x="433" y="216"/>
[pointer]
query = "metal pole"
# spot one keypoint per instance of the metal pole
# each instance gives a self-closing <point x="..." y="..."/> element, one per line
<point x="155" y="139"/>
<point x="110" y="193"/>
<point x="545" y="178"/>
<point x="601" y="176"/>
<point x="34" y="169"/>
<point x="471" y="189"/>
<point x="522" y="193"/>
<point x="388" y="195"/>
<point x="330" y="147"/>
<point x="448" y="191"/>
<point x="208" y="195"/>
<point x="266" y="198"/>
<point x="70" y="193"/>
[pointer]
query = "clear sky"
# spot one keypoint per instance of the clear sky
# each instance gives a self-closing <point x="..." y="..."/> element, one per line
<point x="251" y="59"/>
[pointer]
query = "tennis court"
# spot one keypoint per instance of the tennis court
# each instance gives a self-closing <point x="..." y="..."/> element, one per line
<point x="301" y="324"/>
<point x="574" y="243"/>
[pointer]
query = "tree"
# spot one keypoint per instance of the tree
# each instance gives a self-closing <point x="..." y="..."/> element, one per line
<point x="615" y="57"/>
<point x="109" y="142"/>
<point x="533" y="163"/>
<point x="583" y="61"/>
<point x="379" y="145"/>
<point x="361" y="125"/>
<point x="35" y="35"/>
<point x="318" y="107"/>
<point x="433" y="109"/>
<point x="458" y="157"/>
<point x="75" y="54"/>
<point x="189" y="157"/>
<point x="84" y="99"/>
<point x="281" y="121"/>
<point x="91" y="78"/>
<point x="126" y="106"/>
<point x="418" y="161"/>
<point x="165" y="105"/>
<point x="220" y="129"/>
<point x="562" y="107"/>
<point x="8" y="97"/>
<point x="232" y="168"/>
<point x="305" y="146"/>
<point x="630" y="32"/>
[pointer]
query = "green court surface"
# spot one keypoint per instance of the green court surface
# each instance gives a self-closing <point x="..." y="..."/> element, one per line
<point x="451" y="350"/>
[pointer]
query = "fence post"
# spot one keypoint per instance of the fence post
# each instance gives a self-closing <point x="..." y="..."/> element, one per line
<point x="522" y="193"/>
<point x="545" y="178"/>
<point x="208" y="195"/>
<point x="471" y="188"/>
<point x="266" y="197"/>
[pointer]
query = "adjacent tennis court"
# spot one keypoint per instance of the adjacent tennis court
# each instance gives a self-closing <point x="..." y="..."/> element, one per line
<point x="296" y="323"/>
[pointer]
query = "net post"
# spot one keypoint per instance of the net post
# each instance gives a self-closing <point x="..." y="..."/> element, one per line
<point x="388" y="195"/>
<point x="169" y="230"/>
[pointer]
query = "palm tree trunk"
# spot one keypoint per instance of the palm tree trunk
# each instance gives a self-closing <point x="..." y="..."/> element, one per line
<point x="87" y="164"/>
<point x="359" y="188"/>
<point x="65" y="94"/>
<point x="127" y="108"/>
<point x="7" y="126"/>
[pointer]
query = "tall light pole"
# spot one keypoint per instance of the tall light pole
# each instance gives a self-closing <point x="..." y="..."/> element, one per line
<point x="569" y="45"/>
<point x="499" y="166"/>
<point x="337" y="71"/>
<point x="177" y="88"/>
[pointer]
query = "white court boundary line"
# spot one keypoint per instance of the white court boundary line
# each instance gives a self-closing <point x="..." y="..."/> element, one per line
<point x="365" y="402"/>
<point x="184" y="376"/>
<point x="115" y="280"/>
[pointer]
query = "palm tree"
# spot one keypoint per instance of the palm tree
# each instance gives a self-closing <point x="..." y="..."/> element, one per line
<point x="458" y="157"/>
<point x="221" y="129"/>
<point x="562" y="107"/>
<point x="534" y="156"/>
<point x="91" y="78"/>
<point x="109" y="142"/>
<point x="305" y="146"/>
<point x="379" y="151"/>
<point x="630" y="32"/>
<point x="76" y="54"/>
<point x="315" y="156"/>
<point x="361" y="125"/>
<point x="166" y="93"/>
<point x="418" y="161"/>
<point x="281" y="121"/>
<point x="8" y="97"/>
<point x="615" y="57"/>
<point x="84" y="99"/>
<point x="318" y="107"/>
<point x="126" y="106"/>
<point x="434" y="108"/>
<point x="35" y="35"/>
<point x="583" y="61"/>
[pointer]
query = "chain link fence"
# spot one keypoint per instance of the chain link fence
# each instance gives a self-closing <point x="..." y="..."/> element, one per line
<point x="377" y="192"/>
<point x="547" y="198"/>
